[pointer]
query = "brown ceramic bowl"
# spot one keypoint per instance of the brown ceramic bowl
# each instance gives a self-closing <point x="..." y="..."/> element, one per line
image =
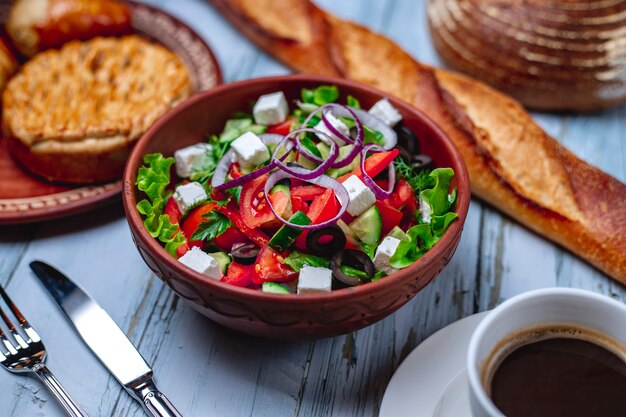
<point x="280" y="316"/>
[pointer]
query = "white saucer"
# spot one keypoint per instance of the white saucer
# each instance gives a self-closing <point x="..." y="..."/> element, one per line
<point x="432" y="380"/>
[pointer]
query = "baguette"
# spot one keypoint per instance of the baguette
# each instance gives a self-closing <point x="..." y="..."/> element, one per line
<point x="513" y="164"/>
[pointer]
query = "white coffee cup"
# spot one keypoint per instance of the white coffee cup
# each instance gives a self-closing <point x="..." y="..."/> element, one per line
<point x="550" y="306"/>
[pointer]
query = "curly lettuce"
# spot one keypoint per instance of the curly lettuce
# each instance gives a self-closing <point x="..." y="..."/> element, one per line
<point x="422" y="237"/>
<point x="153" y="179"/>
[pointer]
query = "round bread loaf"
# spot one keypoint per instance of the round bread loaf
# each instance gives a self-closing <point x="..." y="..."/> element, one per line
<point x="550" y="55"/>
<point x="72" y="115"/>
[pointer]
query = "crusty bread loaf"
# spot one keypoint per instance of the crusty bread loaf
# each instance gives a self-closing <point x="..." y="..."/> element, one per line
<point x="35" y="25"/>
<point x="549" y="55"/>
<point x="513" y="163"/>
<point x="72" y="115"/>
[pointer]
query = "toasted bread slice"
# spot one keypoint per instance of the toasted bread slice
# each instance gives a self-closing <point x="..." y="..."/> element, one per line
<point x="72" y="115"/>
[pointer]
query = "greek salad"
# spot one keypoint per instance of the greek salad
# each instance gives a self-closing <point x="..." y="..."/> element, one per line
<point x="306" y="199"/>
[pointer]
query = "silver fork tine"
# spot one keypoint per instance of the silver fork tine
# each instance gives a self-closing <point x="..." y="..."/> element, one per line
<point x="18" y="337"/>
<point x="7" y="343"/>
<point x="30" y="332"/>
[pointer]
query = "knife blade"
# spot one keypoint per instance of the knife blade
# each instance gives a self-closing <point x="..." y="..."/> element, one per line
<point x="105" y="339"/>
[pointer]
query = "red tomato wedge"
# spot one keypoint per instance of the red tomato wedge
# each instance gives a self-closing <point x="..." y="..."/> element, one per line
<point x="172" y="211"/>
<point x="324" y="207"/>
<point x="269" y="267"/>
<point x="239" y="275"/>
<point x="232" y="212"/>
<point x="374" y="165"/>
<point x="281" y="128"/>
<point x="254" y="208"/>
<point x="225" y="241"/>
<point x="307" y="192"/>
<point x="298" y="204"/>
<point x="391" y="217"/>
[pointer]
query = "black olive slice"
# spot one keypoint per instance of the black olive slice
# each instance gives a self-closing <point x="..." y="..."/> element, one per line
<point x="326" y="241"/>
<point x="355" y="259"/>
<point x="421" y="162"/>
<point x="407" y="139"/>
<point x="245" y="254"/>
<point x="405" y="154"/>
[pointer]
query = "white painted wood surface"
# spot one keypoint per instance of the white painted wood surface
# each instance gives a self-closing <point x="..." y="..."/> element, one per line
<point x="207" y="370"/>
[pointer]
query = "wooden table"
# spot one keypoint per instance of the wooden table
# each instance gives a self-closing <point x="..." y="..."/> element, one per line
<point x="207" y="370"/>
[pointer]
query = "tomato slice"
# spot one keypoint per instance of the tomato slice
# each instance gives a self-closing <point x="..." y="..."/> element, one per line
<point x="374" y="165"/>
<point x="254" y="208"/>
<point x="225" y="241"/>
<point x="299" y="204"/>
<point x="235" y="171"/>
<point x="281" y="128"/>
<point x="239" y="275"/>
<point x="307" y="192"/>
<point x="172" y="211"/>
<point x="269" y="267"/>
<point x="324" y="207"/>
<point x="255" y="235"/>
<point x="391" y="217"/>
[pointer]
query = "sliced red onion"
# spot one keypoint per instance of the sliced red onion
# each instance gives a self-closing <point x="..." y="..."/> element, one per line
<point x="374" y="123"/>
<point x="344" y="111"/>
<point x="271" y="138"/>
<point x="219" y="176"/>
<point x="323" y="181"/>
<point x="376" y="189"/>
<point x="304" y="173"/>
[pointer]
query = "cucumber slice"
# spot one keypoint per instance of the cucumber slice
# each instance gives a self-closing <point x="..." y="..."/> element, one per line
<point x="324" y="149"/>
<point x="275" y="288"/>
<point x="286" y="235"/>
<point x="367" y="226"/>
<point x="223" y="260"/>
<point x="343" y="152"/>
<point x="398" y="234"/>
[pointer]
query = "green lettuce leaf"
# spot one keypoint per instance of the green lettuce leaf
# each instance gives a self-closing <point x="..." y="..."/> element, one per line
<point x="297" y="260"/>
<point x="153" y="179"/>
<point x="421" y="240"/>
<point x="321" y="95"/>
<point x="437" y="196"/>
<point x="353" y="102"/>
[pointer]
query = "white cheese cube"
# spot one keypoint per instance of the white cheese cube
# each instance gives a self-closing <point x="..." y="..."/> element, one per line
<point x="425" y="210"/>
<point x="202" y="262"/>
<point x="384" y="252"/>
<point x="184" y="157"/>
<point x="250" y="150"/>
<point x="188" y="196"/>
<point x="314" y="280"/>
<point x="385" y="112"/>
<point x="337" y="124"/>
<point x="361" y="197"/>
<point x="271" y="109"/>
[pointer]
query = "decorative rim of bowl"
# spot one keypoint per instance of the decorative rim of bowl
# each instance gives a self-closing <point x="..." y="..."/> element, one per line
<point x="134" y="220"/>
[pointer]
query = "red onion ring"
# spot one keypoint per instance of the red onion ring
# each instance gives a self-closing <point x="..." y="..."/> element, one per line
<point x="378" y="191"/>
<point x="374" y="123"/>
<point x="323" y="181"/>
<point x="218" y="180"/>
<point x="304" y="173"/>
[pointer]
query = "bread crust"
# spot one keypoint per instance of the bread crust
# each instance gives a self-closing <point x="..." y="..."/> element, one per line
<point x="545" y="187"/>
<point x="72" y="115"/>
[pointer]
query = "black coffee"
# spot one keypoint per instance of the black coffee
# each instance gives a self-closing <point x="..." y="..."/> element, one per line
<point x="560" y="377"/>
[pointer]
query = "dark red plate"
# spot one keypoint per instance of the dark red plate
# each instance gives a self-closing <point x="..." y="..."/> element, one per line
<point x="25" y="199"/>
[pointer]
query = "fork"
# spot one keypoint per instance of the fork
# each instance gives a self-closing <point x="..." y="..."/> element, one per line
<point x="28" y="356"/>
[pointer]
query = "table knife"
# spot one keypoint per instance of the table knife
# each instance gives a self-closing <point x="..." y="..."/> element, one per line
<point x="105" y="339"/>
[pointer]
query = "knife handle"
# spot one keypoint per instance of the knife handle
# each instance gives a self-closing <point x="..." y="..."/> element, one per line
<point x="154" y="402"/>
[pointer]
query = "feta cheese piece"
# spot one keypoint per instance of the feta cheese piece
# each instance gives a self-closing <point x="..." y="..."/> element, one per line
<point x="270" y="109"/>
<point x="385" y="112"/>
<point x="384" y="252"/>
<point x="184" y="157"/>
<point x="337" y="124"/>
<point x="361" y="197"/>
<point x="425" y="210"/>
<point x="250" y="150"/>
<point x="314" y="280"/>
<point x="188" y="196"/>
<point x="201" y="262"/>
